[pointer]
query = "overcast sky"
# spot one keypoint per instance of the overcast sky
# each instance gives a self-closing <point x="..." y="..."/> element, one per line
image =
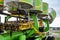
<point x="55" y="4"/>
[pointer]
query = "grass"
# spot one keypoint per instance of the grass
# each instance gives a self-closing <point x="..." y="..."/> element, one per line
<point x="57" y="32"/>
<point x="57" y="38"/>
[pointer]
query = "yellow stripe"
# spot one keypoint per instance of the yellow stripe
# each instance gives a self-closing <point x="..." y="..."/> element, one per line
<point x="1" y="0"/>
<point x="45" y="11"/>
<point x="43" y="34"/>
<point x="40" y="33"/>
<point x="38" y="7"/>
<point x="13" y="15"/>
<point x="25" y="1"/>
<point x="16" y="15"/>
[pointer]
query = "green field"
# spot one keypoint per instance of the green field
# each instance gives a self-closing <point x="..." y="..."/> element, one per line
<point x="56" y="38"/>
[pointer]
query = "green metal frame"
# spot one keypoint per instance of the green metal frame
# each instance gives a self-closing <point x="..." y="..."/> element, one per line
<point x="45" y="8"/>
<point x="53" y="13"/>
<point x="35" y="19"/>
<point x="7" y="18"/>
<point x="47" y="25"/>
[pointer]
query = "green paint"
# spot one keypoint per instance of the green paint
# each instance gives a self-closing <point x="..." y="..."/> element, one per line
<point x="15" y="36"/>
<point x="14" y="8"/>
<point x="30" y="33"/>
<point x="7" y="18"/>
<point x="38" y="4"/>
<point x="1" y="37"/>
<point x="45" y="8"/>
<point x="47" y="25"/>
<point x="7" y="37"/>
<point x="1" y="3"/>
<point x="53" y="14"/>
<point x="35" y="19"/>
<point x="22" y="37"/>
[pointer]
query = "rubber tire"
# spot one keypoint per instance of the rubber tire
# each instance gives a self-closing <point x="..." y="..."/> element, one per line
<point x="32" y="38"/>
<point x="44" y="38"/>
<point x="51" y="38"/>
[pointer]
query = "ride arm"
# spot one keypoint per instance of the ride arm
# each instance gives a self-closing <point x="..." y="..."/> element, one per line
<point x="35" y="19"/>
<point x="47" y="25"/>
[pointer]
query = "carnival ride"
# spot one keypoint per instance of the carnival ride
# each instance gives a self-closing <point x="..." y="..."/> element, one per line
<point x="32" y="20"/>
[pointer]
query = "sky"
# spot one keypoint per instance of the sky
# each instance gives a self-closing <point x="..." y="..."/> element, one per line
<point x="55" y="4"/>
